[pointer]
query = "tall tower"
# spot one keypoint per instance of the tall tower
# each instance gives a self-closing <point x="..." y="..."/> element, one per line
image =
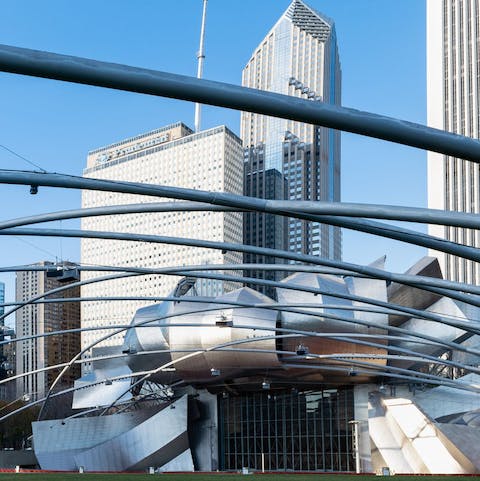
<point x="2" y="322"/>
<point x="172" y="155"/>
<point x="3" y="359"/>
<point x="298" y="57"/>
<point x="37" y="353"/>
<point x="453" y="89"/>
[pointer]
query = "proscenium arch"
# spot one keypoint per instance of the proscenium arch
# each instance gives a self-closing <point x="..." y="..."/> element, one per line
<point x="286" y="285"/>
<point x="237" y="279"/>
<point x="324" y="315"/>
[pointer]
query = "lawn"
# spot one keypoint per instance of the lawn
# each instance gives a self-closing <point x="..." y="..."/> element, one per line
<point x="214" y="477"/>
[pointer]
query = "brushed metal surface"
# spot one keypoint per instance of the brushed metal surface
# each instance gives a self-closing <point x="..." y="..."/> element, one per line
<point x="209" y="336"/>
<point x="118" y="442"/>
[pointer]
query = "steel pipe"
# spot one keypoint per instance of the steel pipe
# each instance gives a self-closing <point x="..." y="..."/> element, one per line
<point x="342" y="209"/>
<point x="249" y="203"/>
<point x="133" y="79"/>
<point x="343" y="269"/>
<point x="221" y="246"/>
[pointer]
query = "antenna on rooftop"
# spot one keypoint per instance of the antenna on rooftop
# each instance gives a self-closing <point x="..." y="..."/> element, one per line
<point x="201" y="58"/>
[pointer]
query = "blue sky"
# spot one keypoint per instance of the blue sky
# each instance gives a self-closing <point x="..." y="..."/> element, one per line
<point x="55" y="124"/>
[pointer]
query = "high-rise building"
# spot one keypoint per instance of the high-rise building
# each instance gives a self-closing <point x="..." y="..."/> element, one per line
<point x="4" y="367"/>
<point x="173" y="155"/>
<point x="262" y="229"/>
<point x="298" y="57"/>
<point x="32" y="319"/>
<point x="2" y="321"/>
<point x="453" y="99"/>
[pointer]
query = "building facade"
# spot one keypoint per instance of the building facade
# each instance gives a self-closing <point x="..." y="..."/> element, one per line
<point x="35" y="354"/>
<point x="262" y="229"/>
<point x="5" y="367"/>
<point x="453" y="89"/>
<point x="2" y="324"/>
<point x="298" y="57"/>
<point x="173" y="155"/>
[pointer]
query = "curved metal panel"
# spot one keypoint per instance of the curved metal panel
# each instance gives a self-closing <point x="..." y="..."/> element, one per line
<point x="119" y="442"/>
<point x="150" y="337"/>
<point x="441" y="332"/>
<point x="338" y="287"/>
<point x="219" y="327"/>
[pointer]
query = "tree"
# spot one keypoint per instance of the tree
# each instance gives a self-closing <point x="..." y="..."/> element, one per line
<point x="15" y="430"/>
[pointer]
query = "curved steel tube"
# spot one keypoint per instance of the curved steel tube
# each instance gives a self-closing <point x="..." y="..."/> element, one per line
<point x="237" y="201"/>
<point x="280" y="207"/>
<point x="133" y="79"/>
<point x="284" y="285"/>
<point x="343" y="269"/>
<point x="343" y="337"/>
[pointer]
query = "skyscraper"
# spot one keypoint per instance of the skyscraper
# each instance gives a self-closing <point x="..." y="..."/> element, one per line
<point x="172" y="155"/>
<point x="37" y="353"/>
<point x="453" y="95"/>
<point x="3" y="359"/>
<point x="2" y="322"/>
<point x="262" y="229"/>
<point x="7" y="354"/>
<point x="298" y="57"/>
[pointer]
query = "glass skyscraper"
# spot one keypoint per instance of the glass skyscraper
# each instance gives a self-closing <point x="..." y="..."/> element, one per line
<point x="453" y="89"/>
<point x="298" y="57"/>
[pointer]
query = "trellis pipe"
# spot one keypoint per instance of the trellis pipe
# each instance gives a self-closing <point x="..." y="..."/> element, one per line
<point x="133" y="79"/>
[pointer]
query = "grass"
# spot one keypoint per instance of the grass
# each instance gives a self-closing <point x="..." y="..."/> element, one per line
<point x="214" y="477"/>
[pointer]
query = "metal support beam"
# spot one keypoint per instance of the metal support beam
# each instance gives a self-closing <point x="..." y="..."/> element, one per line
<point x="239" y="202"/>
<point x="133" y="79"/>
<point x="444" y="287"/>
<point x="286" y="208"/>
<point x="223" y="246"/>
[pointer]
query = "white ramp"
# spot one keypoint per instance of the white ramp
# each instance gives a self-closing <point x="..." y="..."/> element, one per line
<point x="409" y="441"/>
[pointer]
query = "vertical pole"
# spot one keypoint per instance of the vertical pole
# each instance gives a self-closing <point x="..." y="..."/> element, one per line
<point x="263" y="462"/>
<point x="201" y="58"/>
<point x="356" y="447"/>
